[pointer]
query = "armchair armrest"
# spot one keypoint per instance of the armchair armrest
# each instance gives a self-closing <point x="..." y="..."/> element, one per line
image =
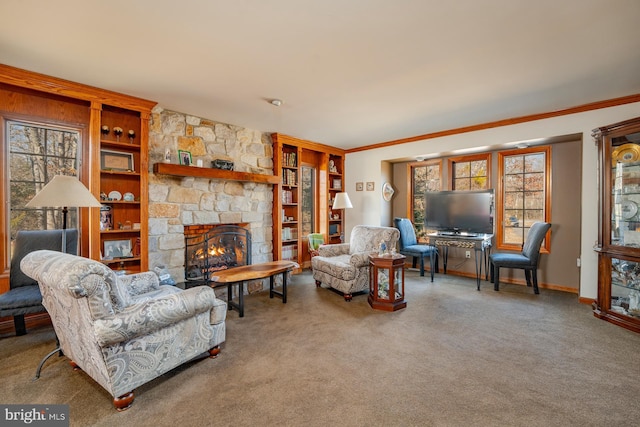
<point x="333" y="250"/>
<point x="139" y="283"/>
<point x="360" y="259"/>
<point x="151" y="315"/>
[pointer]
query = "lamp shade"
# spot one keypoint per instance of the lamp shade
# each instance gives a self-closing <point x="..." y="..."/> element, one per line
<point x="64" y="191"/>
<point x="342" y="201"/>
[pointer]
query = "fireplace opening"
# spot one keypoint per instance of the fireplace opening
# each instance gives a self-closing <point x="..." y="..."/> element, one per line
<point x="213" y="248"/>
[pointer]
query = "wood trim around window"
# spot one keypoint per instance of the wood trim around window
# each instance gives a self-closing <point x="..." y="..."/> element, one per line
<point x="470" y="158"/>
<point x="410" y="167"/>
<point x="499" y="199"/>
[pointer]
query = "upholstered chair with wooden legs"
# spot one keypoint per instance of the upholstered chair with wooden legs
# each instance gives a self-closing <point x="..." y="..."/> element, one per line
<point x="527" y="260"/>
<point x="345" y="266"/>
<point x="124" y="331"/>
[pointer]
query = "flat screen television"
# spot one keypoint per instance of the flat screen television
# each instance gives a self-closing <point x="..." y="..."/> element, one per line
<point x="459" y="212"/>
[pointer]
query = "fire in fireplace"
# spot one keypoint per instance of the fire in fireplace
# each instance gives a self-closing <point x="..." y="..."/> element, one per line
<point x="213" y="248"/>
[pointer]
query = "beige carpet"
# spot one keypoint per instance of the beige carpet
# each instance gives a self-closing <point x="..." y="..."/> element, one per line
<point x="453" y="357"/>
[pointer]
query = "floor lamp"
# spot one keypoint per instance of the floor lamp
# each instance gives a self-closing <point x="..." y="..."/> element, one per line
<point x="341" y="202"/>
<point x="65" y="192"/>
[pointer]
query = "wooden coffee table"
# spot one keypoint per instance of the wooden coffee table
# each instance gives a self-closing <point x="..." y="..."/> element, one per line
<point x="239" y="275"/>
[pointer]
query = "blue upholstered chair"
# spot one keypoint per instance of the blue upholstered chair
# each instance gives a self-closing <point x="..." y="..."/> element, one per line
<point x="409" y="246"/>
<point x="24" y="295"/>
<point x="527" y="260"/>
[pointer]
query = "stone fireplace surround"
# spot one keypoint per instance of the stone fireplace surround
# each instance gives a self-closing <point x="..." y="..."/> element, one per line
<point x="175" y="202"/>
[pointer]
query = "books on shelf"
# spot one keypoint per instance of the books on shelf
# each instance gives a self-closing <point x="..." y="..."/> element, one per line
<point x="289" y="177"/>
<point x="287" y="196"/>
<point x="289" y="233"/>
<point x="290" y="252"/>
<point x="289" y="160"/>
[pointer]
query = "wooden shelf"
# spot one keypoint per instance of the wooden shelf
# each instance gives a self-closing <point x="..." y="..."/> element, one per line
<point x="210" y="173"/>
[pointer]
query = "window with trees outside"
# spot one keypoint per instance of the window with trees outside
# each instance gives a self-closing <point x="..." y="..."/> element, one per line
<point x="37" y="153"/>
<point x="425" y="176"/>
<point x="470" y="173"/>
<point x="524" y="192"/>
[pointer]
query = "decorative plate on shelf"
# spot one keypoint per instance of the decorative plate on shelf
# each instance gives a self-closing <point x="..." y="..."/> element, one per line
<point x="626" y="153"/>
<point x="629" y="209"/>
<point x="115" y="195"/>
<point x="128" y="197"/>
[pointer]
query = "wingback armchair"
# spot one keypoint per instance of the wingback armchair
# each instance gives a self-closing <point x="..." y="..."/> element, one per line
<point x="345" y="266"/>
<point x="124" y="331"/>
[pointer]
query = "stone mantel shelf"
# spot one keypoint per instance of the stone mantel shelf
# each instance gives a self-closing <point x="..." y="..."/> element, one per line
<point x="210" y="173"/>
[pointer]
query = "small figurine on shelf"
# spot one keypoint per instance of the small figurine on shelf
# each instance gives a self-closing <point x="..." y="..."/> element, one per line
<point x="383" y="249"/>
<point x="104" y="129"/>
<point x="132" y="135"/>
<point x="117" y="131"/>
<point x="167" y="156"/>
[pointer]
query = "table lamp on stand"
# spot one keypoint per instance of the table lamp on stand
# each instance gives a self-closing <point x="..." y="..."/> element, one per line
<point x="341" y="202"/>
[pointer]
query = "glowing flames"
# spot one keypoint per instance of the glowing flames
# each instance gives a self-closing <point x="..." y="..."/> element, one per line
<point x="210" y="252"/>
<point x="214" y="251"/>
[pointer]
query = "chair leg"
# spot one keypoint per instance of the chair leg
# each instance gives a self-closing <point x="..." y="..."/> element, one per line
<point x="18" y="323"/>
<point x="495" y="273"/>
<point x="527" y="275"/>
<point x="535" y="282"/>
<point x="421" y="266"/>
<point x="490" y="272"/>
<point x="432" y="264"/>
<point x="414" y="262"/>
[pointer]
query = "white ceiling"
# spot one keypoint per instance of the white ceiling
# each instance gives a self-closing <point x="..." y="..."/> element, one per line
<point x="350" y="72"/>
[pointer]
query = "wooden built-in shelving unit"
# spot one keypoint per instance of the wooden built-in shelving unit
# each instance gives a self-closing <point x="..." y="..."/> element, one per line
<point x="290" y="156"/>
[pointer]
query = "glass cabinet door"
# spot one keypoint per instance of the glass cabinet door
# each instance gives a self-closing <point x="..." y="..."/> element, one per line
<point x="625" y="190"/>
<point x="625" y="287"/>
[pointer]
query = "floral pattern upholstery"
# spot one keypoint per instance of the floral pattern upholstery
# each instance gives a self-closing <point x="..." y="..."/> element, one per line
<point x="345" y="266"/>
<point x="124" y="331"/>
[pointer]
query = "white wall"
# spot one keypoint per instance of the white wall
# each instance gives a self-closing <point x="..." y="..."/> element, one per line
<point x="367" y="166"/>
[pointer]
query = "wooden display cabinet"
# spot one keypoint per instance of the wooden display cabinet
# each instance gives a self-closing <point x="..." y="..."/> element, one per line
<point x="123" y="190"/>
<point x="618" y="244"/>
<point x="386" y="282"/>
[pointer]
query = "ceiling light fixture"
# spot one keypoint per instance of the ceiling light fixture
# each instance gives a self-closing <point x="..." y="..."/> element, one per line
<point x="276" y="102"/>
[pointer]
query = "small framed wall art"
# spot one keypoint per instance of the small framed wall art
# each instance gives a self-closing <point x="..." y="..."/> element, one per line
<point x="370" y="186"/>
<point x="116" y="161"/>
<point x="117" y="249"/>
<point x="185" y="157"/>
<point x="359" y="186"/>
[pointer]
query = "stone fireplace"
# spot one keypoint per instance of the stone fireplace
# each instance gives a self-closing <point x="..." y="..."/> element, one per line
<point x="211" y="248"/>
<point x="178" y="203"/>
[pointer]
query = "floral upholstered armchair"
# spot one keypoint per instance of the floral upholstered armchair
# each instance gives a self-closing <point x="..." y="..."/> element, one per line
<point x="124" y="331"/>
<point x="345" y="266"/>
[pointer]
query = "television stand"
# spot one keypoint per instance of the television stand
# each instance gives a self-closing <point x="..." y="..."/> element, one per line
<point x="479" y="243"/>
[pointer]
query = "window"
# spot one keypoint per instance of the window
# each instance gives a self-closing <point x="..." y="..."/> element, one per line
<point x="37" y="153"/>
<point x="470" y="172"/>
<point x="425" y="176"/>
<point x="308" y="200"/>
<point x="523" y="195"/>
